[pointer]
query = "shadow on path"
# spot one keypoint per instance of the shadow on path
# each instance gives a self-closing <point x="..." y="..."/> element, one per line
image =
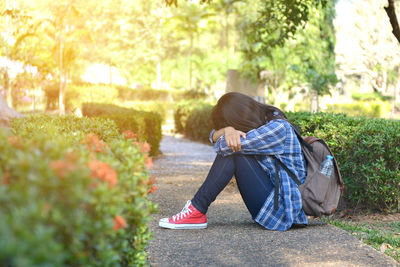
<point x="232" y="238"/>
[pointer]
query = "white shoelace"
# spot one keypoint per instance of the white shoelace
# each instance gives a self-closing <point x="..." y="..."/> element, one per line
<point x="184" y="212"/>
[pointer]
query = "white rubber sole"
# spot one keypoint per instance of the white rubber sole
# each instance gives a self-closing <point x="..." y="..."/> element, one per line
<point x="165" y="224"/>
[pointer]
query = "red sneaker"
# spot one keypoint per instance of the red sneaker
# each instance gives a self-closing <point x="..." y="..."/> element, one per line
<point x="188" y="218"/>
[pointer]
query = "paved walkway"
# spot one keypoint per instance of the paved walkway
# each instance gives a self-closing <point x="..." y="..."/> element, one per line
<point x="232" y="238"/>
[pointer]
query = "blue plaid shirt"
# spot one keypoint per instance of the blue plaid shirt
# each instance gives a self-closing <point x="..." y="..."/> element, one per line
<point x="275" y="138"/>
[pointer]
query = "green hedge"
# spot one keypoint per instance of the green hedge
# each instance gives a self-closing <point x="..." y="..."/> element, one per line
<point x="192" y="118"/>
<point x="146" y="125"/>
<point x="77" y="94"/>
<point x="375" y="108"/>
<point x="367" y="150"/>
<point x="65" y="125"/>
<point x="368" y="153"/>
<point x="159" y="107"/>
<point x="142" y="94"/>
<point x="73" y="192"/>
<point x="370" y="97"/>
<point x="149" y="94"/>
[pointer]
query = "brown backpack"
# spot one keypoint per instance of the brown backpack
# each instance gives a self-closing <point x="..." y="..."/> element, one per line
<point x="320" y="194"/>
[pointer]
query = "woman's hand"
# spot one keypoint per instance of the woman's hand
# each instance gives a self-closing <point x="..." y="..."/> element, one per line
<point x="232" y="138"/>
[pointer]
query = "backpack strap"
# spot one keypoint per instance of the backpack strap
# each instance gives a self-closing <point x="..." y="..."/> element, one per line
<point x="278" y="180"/>
<point x="301" y="140"/>
<point x="277" y="184"/>
<point x="291" y="174"/>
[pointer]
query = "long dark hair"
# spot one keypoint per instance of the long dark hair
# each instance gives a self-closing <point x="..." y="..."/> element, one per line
<point x="242" y="112"/>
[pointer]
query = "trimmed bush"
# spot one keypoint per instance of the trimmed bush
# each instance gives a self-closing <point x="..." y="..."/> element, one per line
<point x="66" y="125"/>
<point x="192" y="118"/>
<point x="368" y="154"/>
<point x="142" y="94"/>
<point x="370" y="96"/>
<point x="77" y="94"/>
<point x="70" y="198"/>
<point x="51" y="91"/>
<point x="188" y="94"/>
<point x="373" y="163"/>
<point x="376" y="108"/>
<point x="149" y="94"/>
<point x="159" y="107"/>
<point x="146" y="125"/>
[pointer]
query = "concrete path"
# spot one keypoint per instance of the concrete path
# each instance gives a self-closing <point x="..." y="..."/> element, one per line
<point x="232" y="238"/>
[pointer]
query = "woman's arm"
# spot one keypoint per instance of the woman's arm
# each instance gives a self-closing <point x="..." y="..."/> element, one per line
<point x="217" y="134"/>
<point x="268" y="139"/>
<point x="232" y="137"/>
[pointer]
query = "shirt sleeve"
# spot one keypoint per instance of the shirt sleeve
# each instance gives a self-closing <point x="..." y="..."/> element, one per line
<point x="268" y="139"/>
<point x="211" y="136"/>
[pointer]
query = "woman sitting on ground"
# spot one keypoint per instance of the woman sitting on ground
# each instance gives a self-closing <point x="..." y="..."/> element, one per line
<point x="249" y="136"/>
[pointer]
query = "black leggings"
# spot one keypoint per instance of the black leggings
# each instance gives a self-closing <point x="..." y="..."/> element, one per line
<point x="253" y="182"/>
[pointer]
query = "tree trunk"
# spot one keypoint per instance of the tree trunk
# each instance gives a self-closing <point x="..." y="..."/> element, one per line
<point x="396" y="91"/>
<point x="8" y="88"/>
<point x="6" y="113"/>
<point x="61" y="93"/>
<point x="260" y="96"/>
<point x="314" y="101"/>
<point x="159" y="78"/>
<point x="190" y="61"/>
<point x="391" y="12"/>
<point x="6" y="75"/>
<point x="110" y="74"/>
<point x="236" y="83"/>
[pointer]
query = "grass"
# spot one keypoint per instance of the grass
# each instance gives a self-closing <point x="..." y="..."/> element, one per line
<point x="383" y="236"/>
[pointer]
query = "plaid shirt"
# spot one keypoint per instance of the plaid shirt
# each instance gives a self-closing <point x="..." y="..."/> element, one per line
<point x="275" y="138"/>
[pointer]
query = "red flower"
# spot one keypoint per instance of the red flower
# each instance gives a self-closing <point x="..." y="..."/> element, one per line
<point x="104" y="172"/>
<point x="150" y="182"/>
<point x="152" y="179"/>
<point x="119" y="222"/>
<point x="153" y="189"/>
<point x="72" y="156"/>
<point x="15" y="141"/>
<point x="94" y="143"/>
<point x="149" y="162"/>
<point x="6" y="178"/>
<point x="145" y="148"/>
<point x="129" y="135"/>
<point x="62" y="167"/>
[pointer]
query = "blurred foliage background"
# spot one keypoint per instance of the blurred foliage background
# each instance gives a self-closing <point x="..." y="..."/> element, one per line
<point x="304" y="55"/>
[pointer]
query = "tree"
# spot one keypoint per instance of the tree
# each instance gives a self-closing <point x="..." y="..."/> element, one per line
<point x="375" y="52"/>
<point x="372" y="59"/>
<point x="15" y="30"/>
<point x="280" y="19"/>
<point x="69" y="33"/>
<point x="304" y="60"/>
<point x="187" y="21"/>
<point x="391" y="12"/>
<point x="277" y="23"/>
<point x="123" y="34"/>
<point x="48" y="41"/>
<point x="14" y="16"/>
<point x="316" y="49"/>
